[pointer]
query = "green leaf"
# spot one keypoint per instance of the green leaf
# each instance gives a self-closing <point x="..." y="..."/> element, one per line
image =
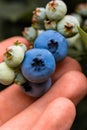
<point x="83" y="35"/>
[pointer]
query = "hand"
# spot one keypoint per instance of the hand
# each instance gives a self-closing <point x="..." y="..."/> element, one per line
<point x="53" y="111"/>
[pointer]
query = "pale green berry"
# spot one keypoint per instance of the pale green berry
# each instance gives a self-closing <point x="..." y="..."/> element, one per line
<point x="74" y="40"/>
<point x="30" y="33"/>
<point x="39" y="14"/>
<point x="82" y="9"/>
<point x="7" y="74"/>
<point x="14" y="56"/>
<point x="68" y="26"/>
<point x="56" y="9"/>
<point x="50" y="24"/>
<point x="20" y="79"/>
<point x="78" y="16"/>
<point x="24" y="47"/>
<point x="17" y="69"/>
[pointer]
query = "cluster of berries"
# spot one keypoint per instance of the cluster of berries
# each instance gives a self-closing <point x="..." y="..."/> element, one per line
<point x="39" y="63"/>
<point x="33" y="68"/>
<point x="10" y="67"/>
<point x="80" y="13"/>
<point x="54" y="16"/>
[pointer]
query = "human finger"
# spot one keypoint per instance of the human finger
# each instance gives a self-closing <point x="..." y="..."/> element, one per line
<point x="64" y="66"/>
<point x="59" y="115"/>
<point x="21" y="100"/>
<point x="12" y="101"/>
<point x="67" y="86"/>
<point x="14" y="92"/>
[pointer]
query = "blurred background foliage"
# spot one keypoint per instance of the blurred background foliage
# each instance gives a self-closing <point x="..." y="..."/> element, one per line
<point x="17" y="14"/>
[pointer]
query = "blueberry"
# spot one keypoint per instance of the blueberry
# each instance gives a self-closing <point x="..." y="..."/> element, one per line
<point x="14" y="55"/>
<point x="36" y="89"/>
<point x="56" y="10"/>
<point x="38" y="65"/>
<point x="7" y="74"/>
<point x="54" y="42"/>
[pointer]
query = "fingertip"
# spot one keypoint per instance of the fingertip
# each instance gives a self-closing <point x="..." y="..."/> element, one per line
<point x="64" y="103"/>
<point x="63" y="112"/>
<point x="73" y="85"/>
<point x="59" y="115"/>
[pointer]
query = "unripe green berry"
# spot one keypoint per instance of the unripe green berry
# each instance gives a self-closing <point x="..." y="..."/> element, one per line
<point x="75" y="41"/>
<point x="7" y="74"/>
<point x="50" y="24"/>
<point x="29" y="33"/>
<point x="22" y="45"/>
<point x="68" y="26"/>
<point x="14" y="56"/>
<point x="38" y="17"/>
<point x="39" y="14"/>
<point x="75" y="46"/>
<point x="56" y="9"/>
<point x="19" y="78"/>
<point x="78" y="17"/>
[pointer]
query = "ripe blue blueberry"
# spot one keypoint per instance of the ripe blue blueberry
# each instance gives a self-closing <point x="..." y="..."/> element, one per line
<point x="36" y="89"/>
<point x="54" y="42"/>
<point x="38" y="65"/>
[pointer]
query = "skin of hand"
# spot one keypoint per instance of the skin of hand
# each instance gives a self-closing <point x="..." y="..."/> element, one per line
<point x="55" y="110"/>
